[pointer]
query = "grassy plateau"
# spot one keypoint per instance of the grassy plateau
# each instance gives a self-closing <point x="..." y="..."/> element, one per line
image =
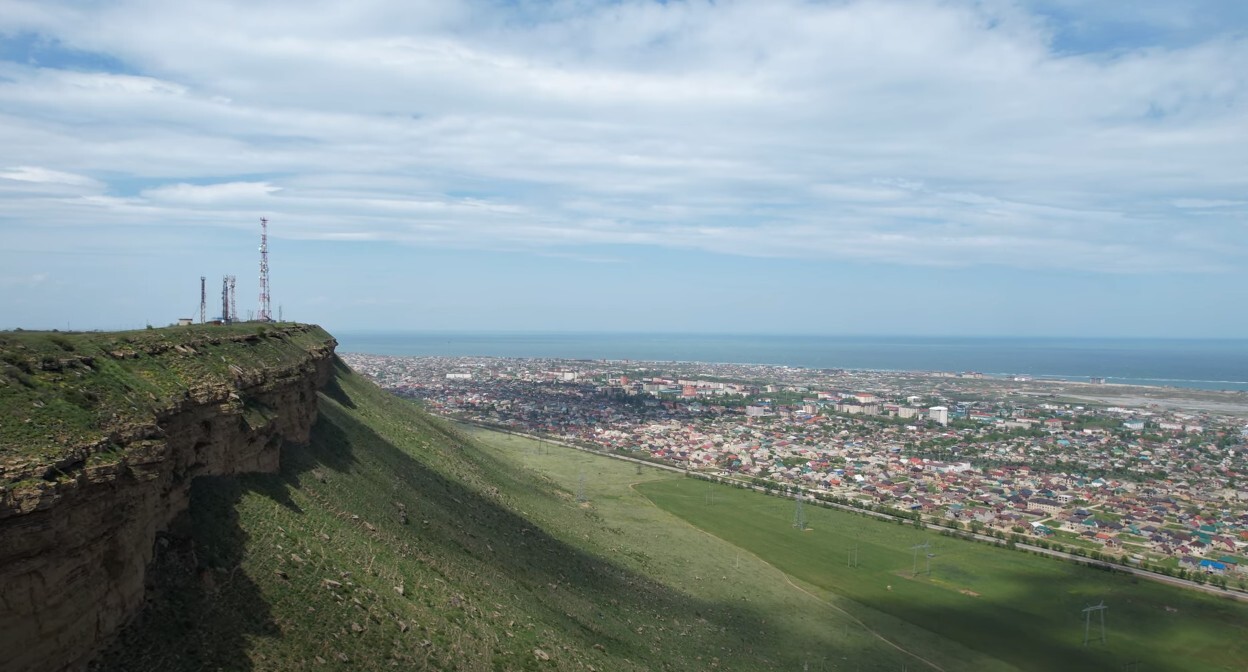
<point x="59" y="391"/>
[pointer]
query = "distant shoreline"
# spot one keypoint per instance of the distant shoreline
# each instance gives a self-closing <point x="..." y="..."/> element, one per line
<point x="1211" y="365"/>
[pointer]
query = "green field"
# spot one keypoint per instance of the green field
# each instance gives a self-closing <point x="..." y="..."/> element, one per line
<point x="790" y="625"/>
<point x="982" y="607"/>
<point x="1015" y="607"/>
<point x="396" y="540"/>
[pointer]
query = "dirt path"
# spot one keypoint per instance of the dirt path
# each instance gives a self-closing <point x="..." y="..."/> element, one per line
<point x="789" y="580"/>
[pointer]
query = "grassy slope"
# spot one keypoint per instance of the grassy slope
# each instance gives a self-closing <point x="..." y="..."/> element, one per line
<point x="794" y="624"/>
<point x="497" y="559"/>
<point x="1025" y="610"/>
<point x="494" y="562"/>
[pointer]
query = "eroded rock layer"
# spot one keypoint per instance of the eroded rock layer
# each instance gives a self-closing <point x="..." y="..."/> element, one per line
<point x="75" y="544"/>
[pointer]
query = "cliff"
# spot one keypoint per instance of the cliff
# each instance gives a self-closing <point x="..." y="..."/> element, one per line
<point x="100" y="438"/>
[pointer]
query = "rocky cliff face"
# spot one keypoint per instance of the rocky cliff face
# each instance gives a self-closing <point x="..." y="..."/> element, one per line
<point x="74" y="546"/>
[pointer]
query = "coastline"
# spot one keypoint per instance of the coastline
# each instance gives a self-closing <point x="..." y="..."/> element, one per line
<point x="1213" y="365"/>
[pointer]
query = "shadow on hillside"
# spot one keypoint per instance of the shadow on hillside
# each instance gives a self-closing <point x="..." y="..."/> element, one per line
<point x="464" y="521"/>
<point x="1037" y="621"/>
<point x="200" y="609"/>
<point x="274" y="486"/>
<point x="203" y="610"/>
<point x="333" y="388"/>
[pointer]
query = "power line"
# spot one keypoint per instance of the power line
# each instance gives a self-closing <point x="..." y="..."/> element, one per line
<point x="581" y="497"/>
<point x="799" y="515"/>
<point x="916" y="548"/>
<point x="1087" y="622"/>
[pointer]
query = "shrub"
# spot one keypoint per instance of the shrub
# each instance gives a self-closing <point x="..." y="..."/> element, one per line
<point x="62" y="342"/>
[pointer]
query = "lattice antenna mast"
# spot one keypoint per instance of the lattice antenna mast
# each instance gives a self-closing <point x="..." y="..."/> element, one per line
<point x="233" y="304"/>
<point x="799" y="515"/>
<point x="203" y="299"/>
<point x="266" y="313"/>
<point x="225" y="299"/>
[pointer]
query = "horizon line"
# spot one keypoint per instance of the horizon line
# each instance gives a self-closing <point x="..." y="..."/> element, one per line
<point x="795" y="334"/>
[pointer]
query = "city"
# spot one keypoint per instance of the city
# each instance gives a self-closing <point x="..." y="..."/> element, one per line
<point x="1155" y="485"/>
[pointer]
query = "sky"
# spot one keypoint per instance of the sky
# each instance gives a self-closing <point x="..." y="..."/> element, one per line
<point x="909" y="167"/>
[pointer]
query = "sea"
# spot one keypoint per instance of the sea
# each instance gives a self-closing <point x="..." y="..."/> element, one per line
<point x="1220" y="364"/>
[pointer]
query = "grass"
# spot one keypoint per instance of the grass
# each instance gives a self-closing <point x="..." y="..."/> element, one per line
<point x="499" y="567"/>
<point x="1018" y="608"/>
<point x="396" y="540"/>
<point x="64" y="394"/>
<point x="797" y="625"/>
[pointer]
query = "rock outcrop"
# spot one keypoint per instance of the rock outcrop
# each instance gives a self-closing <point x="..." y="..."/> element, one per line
<point x="75" y="544"/>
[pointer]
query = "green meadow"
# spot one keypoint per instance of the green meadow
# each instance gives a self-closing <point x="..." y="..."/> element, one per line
<point x="1019" y="608"/>
<point x="397" y="540"/>
<point x="978" y="607"/>
<point x="789" y="625"/>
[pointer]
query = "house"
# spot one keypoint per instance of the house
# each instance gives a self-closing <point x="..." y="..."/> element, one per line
<point x="1046" y="505"/>
<point x="1213" y="566"/>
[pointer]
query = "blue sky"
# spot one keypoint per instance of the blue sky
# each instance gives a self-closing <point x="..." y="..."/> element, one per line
<point x="909" y="167"/>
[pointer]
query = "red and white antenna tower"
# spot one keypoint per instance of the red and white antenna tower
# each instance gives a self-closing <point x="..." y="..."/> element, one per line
<point x="265" y="314"/>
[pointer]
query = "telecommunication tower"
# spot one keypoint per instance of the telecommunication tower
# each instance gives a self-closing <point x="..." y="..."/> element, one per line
<point x="225" y="300"/>
<point x="233" y="305"/>
<point x="203" y="299"/>
<point x="266" y="313"/>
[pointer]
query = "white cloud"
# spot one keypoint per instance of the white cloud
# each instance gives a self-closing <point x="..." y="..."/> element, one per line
<point x="917" y="132"/>
<point x="46" y="176"/>
<point x="1206" y="203"/>
<point x="860" y="193"/>
<point x="23" y="281"/>
<point x="229" y="193"/>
